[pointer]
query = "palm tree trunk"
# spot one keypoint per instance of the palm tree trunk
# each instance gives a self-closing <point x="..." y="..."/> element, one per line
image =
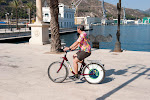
<point x="30" y="15"/>
<point x="54" y="25"/>
<point x="16" y="18"/>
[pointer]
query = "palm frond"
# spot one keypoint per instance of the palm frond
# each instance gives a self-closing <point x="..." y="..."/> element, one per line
<point x="30" y="5"/>
<point x="15" y="4"/>
<point x="2" y="1"/>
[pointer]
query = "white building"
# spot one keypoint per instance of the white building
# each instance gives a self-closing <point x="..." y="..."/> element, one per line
<point x="122" y="21"/>
<point x="138" y="21"/>
<point x="66" y="16"/>
<point x="87" y="20"/>
<point x="130" y="22"/>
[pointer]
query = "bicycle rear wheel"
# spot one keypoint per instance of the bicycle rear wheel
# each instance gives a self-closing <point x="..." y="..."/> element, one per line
<point x="56" y="74"/>
<point x="94" y="73"/>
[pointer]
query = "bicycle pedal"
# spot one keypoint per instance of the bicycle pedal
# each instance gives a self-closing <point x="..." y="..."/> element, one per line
<point x="74" y="78"/>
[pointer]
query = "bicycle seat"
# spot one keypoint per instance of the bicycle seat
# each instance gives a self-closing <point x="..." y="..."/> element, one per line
<point x="94" y="61"/>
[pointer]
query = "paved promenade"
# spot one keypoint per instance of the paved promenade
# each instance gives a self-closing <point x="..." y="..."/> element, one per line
<point x="23" y="75"/>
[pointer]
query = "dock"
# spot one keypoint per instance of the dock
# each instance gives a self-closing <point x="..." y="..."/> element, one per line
<point x="26" y="33"/>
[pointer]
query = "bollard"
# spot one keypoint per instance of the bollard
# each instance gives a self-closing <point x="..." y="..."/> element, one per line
<point x="95" y="45"/>
<point x="99" y="38"/>
<point x="29" y="28"/>
<point x="63" y="45"/>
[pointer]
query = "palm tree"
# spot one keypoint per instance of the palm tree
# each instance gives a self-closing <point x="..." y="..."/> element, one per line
<point x="31" y="6"/>
<point x="54" y="25"/>
<point x="0" y="7"/>
<point x="15" y="4"/>
<point x="2" y="1"/>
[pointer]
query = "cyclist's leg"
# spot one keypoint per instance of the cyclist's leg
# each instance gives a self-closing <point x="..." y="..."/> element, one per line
<point x="75" y="63"/>
<point x="79" y="57"/>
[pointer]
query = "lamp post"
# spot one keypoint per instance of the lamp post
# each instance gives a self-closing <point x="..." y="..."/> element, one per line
<point x="118" y="44"/>
<point x="7" y="18"/>
<point x="29" y="13"/>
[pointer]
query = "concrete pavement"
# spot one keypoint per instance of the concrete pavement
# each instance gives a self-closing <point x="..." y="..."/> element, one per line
<point x="23" y="75"/>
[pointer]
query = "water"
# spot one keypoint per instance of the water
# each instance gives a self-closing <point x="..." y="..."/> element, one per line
<point x="133" y="37"/>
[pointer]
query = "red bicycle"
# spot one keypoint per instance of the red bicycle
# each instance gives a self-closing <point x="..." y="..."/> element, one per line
<point x="93" y="72"/>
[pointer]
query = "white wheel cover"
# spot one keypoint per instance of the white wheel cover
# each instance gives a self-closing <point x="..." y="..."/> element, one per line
<point x="99" y="69"/>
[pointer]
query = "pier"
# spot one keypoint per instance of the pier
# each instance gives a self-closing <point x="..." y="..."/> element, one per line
<point x="26" y="33"/>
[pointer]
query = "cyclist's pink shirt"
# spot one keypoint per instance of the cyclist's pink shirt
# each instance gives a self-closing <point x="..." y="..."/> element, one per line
<point x="84" y="43"/>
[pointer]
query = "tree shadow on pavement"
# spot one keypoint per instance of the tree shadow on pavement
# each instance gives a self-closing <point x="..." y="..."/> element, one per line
<point x="110" y="72"/>
<point x="131" y="69"/>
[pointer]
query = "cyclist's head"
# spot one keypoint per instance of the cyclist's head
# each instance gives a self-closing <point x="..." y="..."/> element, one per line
<point x="81" y="27"/>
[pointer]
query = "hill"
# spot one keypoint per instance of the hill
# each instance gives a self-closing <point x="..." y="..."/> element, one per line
<point x="86" y="8"/>
<point x="93" y="8"/>
<point x="147" y="11"/>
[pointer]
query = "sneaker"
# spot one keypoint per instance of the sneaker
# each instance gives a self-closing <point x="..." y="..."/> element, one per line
<point x="74" y="78"/>
<point x="79" y="72"/>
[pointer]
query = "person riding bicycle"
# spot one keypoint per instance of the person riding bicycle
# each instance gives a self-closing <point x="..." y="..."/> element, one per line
<point x="84" y="49"/>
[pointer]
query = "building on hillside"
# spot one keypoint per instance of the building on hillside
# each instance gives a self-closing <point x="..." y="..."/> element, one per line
<point x="87" y="20"/>
<point x="138" y="21"/>
<point x="66" y="16"/>
<point x="116" y="21"/>
<point x="122" y="21"/>
<point x="146" y="20"/>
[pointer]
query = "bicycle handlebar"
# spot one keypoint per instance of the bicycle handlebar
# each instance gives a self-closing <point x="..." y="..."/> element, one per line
<point x="65" y="51"/>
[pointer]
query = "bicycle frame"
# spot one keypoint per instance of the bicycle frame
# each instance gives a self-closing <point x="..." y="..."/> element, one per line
<point x="66" y="59"/>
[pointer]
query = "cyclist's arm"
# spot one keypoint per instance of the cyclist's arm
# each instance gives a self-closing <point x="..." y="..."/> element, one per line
<point x="74" y="45"/>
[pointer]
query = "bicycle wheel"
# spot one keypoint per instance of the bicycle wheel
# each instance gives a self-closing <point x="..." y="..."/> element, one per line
<point x="94" y="73"/>
<point x="55" y="75"/>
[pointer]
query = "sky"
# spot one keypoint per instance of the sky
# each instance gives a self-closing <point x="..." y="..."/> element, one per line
<point x="134" y="4"/>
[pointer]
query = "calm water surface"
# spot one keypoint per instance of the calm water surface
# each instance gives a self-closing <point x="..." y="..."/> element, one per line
<point x="133" y="37"/>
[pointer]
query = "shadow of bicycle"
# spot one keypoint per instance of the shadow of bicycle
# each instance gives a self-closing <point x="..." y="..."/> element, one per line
<point x="108" y="74"/>
<point x="108" y="77"/>
<point x="137" y="69"/>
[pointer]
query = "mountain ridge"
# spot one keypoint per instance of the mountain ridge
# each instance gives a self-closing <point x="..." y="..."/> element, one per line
<point x="93" y="8"/>
<point x="147" y="11"/>
<point x="89" y="8"/>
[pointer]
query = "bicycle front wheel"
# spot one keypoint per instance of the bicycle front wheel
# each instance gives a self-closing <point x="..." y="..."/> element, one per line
<point x="94" y="73"/>
<point x="56" y="74"/>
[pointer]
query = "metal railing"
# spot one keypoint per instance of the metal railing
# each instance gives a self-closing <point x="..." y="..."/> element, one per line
<point x="13" y="29"/>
